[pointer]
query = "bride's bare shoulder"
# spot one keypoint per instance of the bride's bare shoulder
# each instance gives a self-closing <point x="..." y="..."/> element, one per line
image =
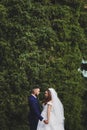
<point x="50" y="102"/>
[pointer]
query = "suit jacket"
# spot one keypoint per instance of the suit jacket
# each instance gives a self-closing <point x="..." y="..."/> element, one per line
<point x="35" y="113"/>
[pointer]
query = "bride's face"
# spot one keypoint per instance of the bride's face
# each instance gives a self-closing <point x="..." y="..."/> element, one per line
<point x="46" y="94"/>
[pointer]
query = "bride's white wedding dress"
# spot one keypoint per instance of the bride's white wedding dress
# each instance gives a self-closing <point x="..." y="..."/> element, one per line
<point x="56" y="121"/>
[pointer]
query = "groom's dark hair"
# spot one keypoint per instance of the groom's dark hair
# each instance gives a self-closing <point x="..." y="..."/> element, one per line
<point x="35" y="87"/>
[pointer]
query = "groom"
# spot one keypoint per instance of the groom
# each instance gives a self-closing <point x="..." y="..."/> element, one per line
<point x="35" y="113"/>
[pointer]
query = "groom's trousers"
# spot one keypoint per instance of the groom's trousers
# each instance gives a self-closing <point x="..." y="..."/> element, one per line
<point x="33" y="124"/>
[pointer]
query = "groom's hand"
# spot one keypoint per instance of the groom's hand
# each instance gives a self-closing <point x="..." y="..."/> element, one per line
<point x="46" y="121"/>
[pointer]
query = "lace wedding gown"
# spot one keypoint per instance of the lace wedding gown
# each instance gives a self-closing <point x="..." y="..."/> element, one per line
<point x="54" y="122"/>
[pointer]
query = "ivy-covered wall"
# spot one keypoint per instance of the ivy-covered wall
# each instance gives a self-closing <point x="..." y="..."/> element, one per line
<point x="42" y="42"/>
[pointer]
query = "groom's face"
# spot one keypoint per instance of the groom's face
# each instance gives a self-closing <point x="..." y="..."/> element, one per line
<point x="37" y="91"/>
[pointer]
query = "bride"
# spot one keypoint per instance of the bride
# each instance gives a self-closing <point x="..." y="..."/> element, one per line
<point x="52" y="112"/>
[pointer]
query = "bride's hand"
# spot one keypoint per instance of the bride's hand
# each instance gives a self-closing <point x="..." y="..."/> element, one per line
<point x="46" y="121"/>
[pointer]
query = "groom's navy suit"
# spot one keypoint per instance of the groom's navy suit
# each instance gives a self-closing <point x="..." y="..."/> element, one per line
<point x="35" y="112"/>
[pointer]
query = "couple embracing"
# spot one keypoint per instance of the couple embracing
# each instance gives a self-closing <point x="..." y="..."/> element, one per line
<point x="52" y="115"/>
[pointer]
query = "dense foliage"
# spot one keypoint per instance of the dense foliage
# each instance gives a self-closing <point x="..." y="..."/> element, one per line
<point x="83" y="47"/>
<point x="42" y="42"/>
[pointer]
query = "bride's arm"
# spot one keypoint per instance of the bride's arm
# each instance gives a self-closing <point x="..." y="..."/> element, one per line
<point x="48" y="112"/>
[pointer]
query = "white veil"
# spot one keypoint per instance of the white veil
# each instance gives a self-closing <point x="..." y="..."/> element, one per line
<point x="57" y="106"/>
